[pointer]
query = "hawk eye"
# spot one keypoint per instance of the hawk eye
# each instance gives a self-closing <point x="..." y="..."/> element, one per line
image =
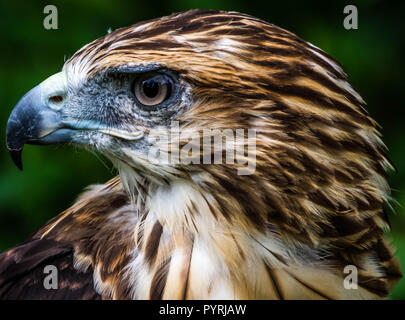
<point x="152" y="89"/>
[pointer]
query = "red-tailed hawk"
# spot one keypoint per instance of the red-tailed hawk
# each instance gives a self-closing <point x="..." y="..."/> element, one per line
<point x="194" y="227"/>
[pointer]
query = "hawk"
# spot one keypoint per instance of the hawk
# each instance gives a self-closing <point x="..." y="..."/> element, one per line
<point x="289" y="227"/>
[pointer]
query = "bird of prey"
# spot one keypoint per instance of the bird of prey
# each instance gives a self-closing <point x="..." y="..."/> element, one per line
<point x="311" y="208"/>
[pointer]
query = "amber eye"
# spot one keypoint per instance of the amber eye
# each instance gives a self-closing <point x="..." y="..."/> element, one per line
<point x="153" y="89"/>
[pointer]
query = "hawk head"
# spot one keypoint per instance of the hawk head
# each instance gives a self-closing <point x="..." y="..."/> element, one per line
<point x="318" y="158"/>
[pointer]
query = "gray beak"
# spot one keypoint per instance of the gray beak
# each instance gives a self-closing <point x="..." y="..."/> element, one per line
<point x="36" y="118"/>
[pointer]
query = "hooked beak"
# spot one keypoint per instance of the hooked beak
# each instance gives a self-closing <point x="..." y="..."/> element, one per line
<point x="36" y="118"/>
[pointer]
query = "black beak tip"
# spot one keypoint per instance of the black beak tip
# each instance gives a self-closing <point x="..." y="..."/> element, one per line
<point x="16" y="155"/>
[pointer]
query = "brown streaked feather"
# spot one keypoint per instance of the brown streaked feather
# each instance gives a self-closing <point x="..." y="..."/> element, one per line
<point x="314" y="204"/>
<point x="22" y="273"/>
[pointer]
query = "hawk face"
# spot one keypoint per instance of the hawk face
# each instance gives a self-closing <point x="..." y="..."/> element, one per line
<point x="115" y="110"/>
<point x="312" y="204"/>
<point x="317" y="151"/>
<point x="113" y="92"/>
<point x="112" y="110"/>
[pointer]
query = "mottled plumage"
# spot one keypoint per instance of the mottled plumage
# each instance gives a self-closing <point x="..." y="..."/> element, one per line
<point x="314" y="203"/>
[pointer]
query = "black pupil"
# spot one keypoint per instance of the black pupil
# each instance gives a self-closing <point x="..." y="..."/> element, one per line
<point x="150" y="88"/>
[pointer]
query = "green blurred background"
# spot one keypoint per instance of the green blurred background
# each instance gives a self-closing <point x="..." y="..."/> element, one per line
<point x="373" y="56"/>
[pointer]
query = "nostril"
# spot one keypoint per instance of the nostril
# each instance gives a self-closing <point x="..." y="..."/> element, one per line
<point x="56" y="99"/>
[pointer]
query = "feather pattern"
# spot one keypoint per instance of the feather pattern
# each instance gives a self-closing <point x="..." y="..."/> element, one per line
<point x="314" y="204"/>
